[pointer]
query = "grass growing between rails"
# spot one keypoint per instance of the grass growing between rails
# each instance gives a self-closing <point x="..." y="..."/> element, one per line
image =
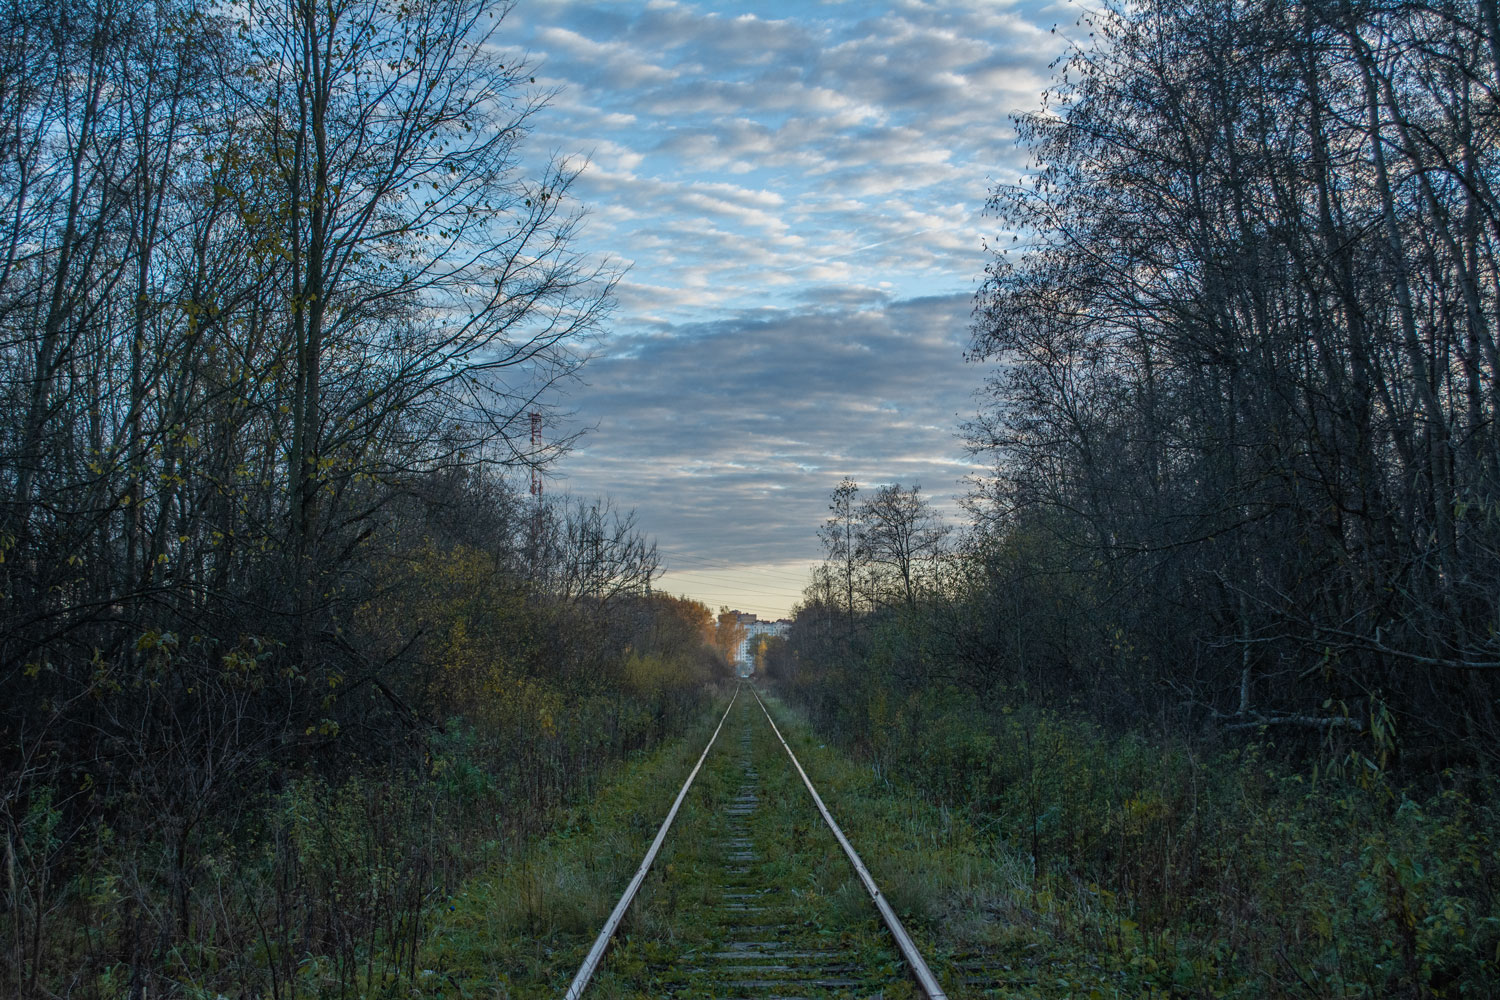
<point x="969" y="899"/>
<point x="1078" y="863"/>
<point x="752" y="866"/>
<point x="522" y="929"/>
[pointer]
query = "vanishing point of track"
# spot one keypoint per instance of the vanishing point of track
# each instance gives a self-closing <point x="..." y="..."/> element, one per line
<point x="756" y="936"/>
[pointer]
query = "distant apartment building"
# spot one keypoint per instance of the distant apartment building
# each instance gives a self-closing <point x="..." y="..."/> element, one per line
<point x="754" y="628"/>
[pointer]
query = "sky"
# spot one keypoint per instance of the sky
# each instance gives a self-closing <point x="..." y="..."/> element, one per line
<point x="795" y="191"/>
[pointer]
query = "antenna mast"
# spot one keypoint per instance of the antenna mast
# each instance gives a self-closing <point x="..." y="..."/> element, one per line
<point x="536" y="448"/>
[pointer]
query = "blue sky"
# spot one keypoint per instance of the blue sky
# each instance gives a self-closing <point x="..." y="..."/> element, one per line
<point x="796" y="190"/>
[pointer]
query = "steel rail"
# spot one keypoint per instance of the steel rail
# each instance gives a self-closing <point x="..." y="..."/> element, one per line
<point x="596" y="953"/>
<point x="925" y="978"/>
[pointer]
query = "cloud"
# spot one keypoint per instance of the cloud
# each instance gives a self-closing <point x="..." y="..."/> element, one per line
<point x="828" y="127"/>
<point x="613" y="64"/>
<point x="798" y="192"/>
<point x="727" y="437"/>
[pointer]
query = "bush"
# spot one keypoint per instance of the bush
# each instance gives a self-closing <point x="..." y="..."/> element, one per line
<point x="1207" y="867"/>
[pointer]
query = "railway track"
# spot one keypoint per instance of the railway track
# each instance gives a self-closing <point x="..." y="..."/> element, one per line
<point x="759" y="895"/>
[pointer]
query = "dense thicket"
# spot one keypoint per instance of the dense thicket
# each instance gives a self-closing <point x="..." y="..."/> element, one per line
<point x="282" y="654"/>
<point x="1247" y="374"/>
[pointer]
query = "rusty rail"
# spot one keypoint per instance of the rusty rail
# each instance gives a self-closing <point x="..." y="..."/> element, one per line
<point x="914" y="960"/>
<point x="601" y="943"/>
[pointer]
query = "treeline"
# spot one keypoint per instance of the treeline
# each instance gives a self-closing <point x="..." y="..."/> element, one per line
<point x="1244" y="421"/>
<point x="1222" y="641"/>
<point x="283" y="653"/>
<point x="1243" y="396"/>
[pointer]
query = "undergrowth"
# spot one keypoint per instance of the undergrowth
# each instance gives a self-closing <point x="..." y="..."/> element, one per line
<point x="1112" y="864"/>
<point x="523" y="926"/>
<point x="1072" y="864"/>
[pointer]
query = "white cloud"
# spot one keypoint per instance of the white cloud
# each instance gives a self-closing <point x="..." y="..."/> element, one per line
<point x="798" y="190"/>
<point x="696" y="423"/>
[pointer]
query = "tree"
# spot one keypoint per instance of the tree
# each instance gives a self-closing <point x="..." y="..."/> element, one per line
<point x="1245" y="369"/>
<point x="589" y="550"/>
<point x="840" y="537"/>
<point x="766" y="650"/>
<point x="899" y="530"/>
<point x="276" y="287"/>
<point x="729" y="634"/>
<point x="432" y="292"/>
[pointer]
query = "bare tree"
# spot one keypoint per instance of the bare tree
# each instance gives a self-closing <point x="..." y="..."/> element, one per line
<point x="899" y="530"/>
<point x="1247" y="362"/>
<point x="589" y="550"/>
<point x="840" y="537"/>
<point x="430" y="285"/>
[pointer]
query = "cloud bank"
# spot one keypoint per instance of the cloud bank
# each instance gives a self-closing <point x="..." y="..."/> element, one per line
<point x="796" y="189"/>
<point x="729" y="436"/>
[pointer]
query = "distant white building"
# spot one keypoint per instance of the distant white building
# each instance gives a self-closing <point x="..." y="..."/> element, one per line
<point x="755" y="628"/>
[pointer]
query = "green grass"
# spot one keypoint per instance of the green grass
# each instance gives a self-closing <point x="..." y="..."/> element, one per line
<point x="988" y="921"/>
<point x="966" y="898"/>
<point x="522" y="928"/>
<point x="988" y="924"/>
<point x="1165" y="870"/>
<point x="807" y="883"/>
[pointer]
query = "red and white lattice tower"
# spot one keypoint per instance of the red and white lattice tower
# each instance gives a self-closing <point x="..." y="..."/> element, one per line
<point x="536" y="450"/>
